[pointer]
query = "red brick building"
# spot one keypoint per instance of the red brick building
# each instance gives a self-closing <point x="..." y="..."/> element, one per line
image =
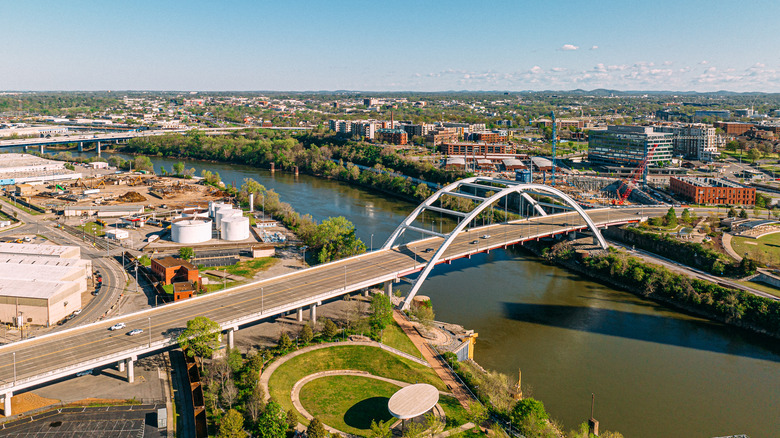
<point x="712" y="191"/>
<point x="392" y="136"/>
<point x="733" y="128"/>
<point x="476" y="149"/>
<point x="170" y="270"/>
<point x="489" y="137"/>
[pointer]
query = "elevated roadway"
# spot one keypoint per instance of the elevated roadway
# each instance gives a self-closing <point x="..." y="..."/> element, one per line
<point x="108" y="137"/>
<point x="35" y="361"/>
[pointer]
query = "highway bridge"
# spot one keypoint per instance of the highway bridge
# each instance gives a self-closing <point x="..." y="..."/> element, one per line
<point x="36" y="361"/>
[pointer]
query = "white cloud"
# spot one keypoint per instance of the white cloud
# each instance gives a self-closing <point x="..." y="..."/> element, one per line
<point x="568" y="47"/>
<point x="594" y="47"/>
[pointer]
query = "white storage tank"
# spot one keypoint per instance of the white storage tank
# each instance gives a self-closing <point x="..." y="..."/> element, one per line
<point x="235" y="228"/>
<point x="225" y="212"/>
<point x="191" y="230"/>
<point x="195" y="212"/>
<point x="215" y="206"/>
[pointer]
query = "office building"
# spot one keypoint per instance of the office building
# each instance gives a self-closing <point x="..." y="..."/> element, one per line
<point x="695" y="141"/>
<point x="629" y="145"/>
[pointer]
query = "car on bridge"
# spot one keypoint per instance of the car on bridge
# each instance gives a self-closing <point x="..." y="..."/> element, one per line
<point x="486" y="236"/>
<point x="117" y="326"/>
<point x="474" y="242"/>
<point x="428" y="250"/>
<point x="85" y="372"/>
<point x="135" y="332"/>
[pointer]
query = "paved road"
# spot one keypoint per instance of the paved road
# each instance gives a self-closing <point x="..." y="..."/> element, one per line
<point x="57" y="353"/>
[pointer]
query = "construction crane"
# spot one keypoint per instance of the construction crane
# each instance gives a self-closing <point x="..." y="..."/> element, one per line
<point x="630" y="182"/>
<point x="554" y="143"/>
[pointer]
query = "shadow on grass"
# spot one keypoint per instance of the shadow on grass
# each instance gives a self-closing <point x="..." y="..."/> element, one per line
<point x="361" y="413"/>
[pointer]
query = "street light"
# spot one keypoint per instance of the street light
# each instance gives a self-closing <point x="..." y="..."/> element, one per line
<point x="372" y="242"/>
<point x="14" y="354"/>
<point x="150" y="332"/>
<point x="262" y="300"/>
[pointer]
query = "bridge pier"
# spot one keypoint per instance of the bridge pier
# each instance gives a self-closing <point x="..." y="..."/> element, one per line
<point x="7" y="404"/>
<point x="300" y="314"/>
<point x="130" y="370"/>
<point x="41" y="151"/>
<point x="81" y="146"/>
<point x="366" y="293"/>
<point x="25" y="148"/>
<point x="98" y="149"/>
<point x="231" y="334"/>
<point x="313" y="313"/>
<point x="121" y="366"/>
<point x="389" y="289"/>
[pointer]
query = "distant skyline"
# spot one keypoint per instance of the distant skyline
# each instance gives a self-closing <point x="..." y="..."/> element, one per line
<point x="390" y="46"/>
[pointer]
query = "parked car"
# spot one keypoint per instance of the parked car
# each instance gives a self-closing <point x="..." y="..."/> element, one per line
<point x="117" y="326"/>
<point x="135" y="332"/>
<point x="77" y="312"/>
<point x="85" y="372"/>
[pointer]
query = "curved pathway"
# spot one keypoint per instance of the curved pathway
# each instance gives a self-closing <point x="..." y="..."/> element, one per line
<point x="265" y="377"/>
<point x="295" y="393"/>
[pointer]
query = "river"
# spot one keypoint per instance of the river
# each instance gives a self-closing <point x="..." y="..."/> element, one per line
<point x="655" y="372"/>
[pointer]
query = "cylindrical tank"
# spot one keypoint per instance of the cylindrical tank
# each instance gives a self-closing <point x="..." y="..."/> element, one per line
<point x="191" y="230"/>
<point x="215" y="206"/>
<point x="235" y="228"/>
<point x="225" y="212"/>
<point x="195" y="212"/>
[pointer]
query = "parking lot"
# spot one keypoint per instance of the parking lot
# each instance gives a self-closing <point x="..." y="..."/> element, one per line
<point x="109" y="421"/>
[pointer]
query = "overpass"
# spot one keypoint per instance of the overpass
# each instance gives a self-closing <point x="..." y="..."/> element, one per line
<point x="56" y="355"/>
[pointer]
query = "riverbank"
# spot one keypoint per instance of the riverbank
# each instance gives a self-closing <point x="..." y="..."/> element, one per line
<point x="692" y="296"/>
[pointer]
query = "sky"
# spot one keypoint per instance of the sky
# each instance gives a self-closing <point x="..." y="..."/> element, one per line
<point x="385" y="45"/>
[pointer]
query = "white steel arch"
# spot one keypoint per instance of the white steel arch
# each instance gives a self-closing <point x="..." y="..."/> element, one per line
<point x="510" y="187"/>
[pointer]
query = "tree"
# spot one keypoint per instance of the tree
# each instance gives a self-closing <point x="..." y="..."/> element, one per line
<point x="273" y="422"/>
<point x="381" y="311"/>
<point x="201" y="337"/>
<point x="284" y="343"/>
<point x="143" y="163"/>
<point x="380" y="430"/>
<point x="292" y="419"/>
<point x="232" y="425"/>
<point x="255" y="402"/>
<point x="743" y="214"/>
<point x="186" y="253"/>
<point x="306" y="334"/>
<point x="732" y="212"/>
<point x="316" y="429"/>
<point x="528" y="408"/>
<point x="336" y="239"/>
<point x="686" y="216"/>
<point x="671" y="217"/>
<point x="329" y="329"/>
<point x="178" y="168"/>
<point x="424" y="313"/>
<point x="229" y="393"/>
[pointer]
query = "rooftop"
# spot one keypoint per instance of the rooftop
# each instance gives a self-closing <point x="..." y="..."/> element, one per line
<point x="35" y="249"/>
<point x="40" y="289"/>
<point x="170" y="262"/>
<point x="413" y="401"/>
<point x="709" y="182"/>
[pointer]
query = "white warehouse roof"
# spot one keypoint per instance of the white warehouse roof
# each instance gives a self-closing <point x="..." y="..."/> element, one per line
<point x="40" y="250"/>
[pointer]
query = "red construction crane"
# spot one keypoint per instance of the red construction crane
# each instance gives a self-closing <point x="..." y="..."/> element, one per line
<point x="630" y="183"/>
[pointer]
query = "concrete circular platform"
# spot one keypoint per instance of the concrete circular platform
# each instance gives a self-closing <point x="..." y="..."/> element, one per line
<point x="413" y="401"/>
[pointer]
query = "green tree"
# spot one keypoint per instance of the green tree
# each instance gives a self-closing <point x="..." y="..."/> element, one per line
<point x="528" y="408"/>
<point x="232" y="425"/>
<point x="143" y="163"/>
<point x="201" y="337"/>
<point x="316" y="429"/>
<point x="477" y="413"/>
<point x="284" y="343"/>
<point x="292" y="419"/>
<point x="381" y="312"/>
<point x="743" y="214"/>
<point x="306" y="334"/>
<point x="178" y="168"/>
<point x="329" y="329"/>
<point x="732" y="212"/>
<point x="336" y="239"/>
<point x="234" y="360"/>
<point x="671" y="217"/>
<point x="186" y="253"/>
<point x="686" y="216"/>
<point x="273" y="422"/>
<point x="380" y="429"/>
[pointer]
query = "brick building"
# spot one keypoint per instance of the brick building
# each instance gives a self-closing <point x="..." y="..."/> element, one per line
<point x="392" y="136"/>
<point x="733" y="128"/>
<point x="489" y="137"/>
<point x="476" y="149"/>
<point x="712" y="191"/>
<point x="183" y="275"/>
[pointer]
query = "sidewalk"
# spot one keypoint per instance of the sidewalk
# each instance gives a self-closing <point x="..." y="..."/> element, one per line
<point x="458" y="390"/>
<point x="727" y="246"/>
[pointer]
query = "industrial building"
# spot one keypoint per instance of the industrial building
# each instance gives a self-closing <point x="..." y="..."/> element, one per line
<point x="40" y="284"/>
<point x="25" y="168"/>
<point x="183" y="275"/>
<point x="629" y="145"/>
<point x="102" y="210"/>
<point x="712" y="191"/>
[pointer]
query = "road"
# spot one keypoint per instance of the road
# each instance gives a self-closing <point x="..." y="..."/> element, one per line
<point x="63" y="353"/>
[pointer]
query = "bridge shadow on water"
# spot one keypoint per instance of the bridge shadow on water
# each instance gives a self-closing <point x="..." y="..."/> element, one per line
<point x="686" y="333"/>
<point x="361" y="413"/>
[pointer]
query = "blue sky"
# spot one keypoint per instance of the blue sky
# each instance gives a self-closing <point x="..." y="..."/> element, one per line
<point x="390" y="45"/>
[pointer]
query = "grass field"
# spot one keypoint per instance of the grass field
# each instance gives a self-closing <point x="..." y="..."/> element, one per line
<point x="351" y="357"/>
<point x="766" y="248"/>
<point x="93" y="228"/>
<point x="396" y="338"/>
<point x="348" y="403"/>
<point x="250" y="267"/>
<point x="763" y="287"/>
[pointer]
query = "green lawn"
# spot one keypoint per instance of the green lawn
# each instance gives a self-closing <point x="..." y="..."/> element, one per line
<point x="763" y="287"/>
<point x="766" y="249"/>
<point x="20" y="206"/>
<point x="348" y="403"/>
<point x="250" y="267"/>
<point x="396" y="338"/>
<point x="350" y="357"/>
<point x="94" y="229"/>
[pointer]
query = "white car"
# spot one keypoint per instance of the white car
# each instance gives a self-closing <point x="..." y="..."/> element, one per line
<point x="135" y="332"/>
<point x="117" y="326"/>
<point x="486" y="236"/>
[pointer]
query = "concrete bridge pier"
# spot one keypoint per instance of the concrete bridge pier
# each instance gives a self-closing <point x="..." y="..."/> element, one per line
<point x="7" y="404"/>
<point x="389" y="289"/>
<point x="121" y="366"/>
<point x="130" y="370"/>
<point x="313" y="313"/>
<point x="81" y="146"/>
<point x="98" y="149"/>
<point x="300" y="314"/>
<point x="41" y="151"/>
<point x="25" y="148"/>
<point x="366" y="292"/>
<point x="231" y="337"/>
